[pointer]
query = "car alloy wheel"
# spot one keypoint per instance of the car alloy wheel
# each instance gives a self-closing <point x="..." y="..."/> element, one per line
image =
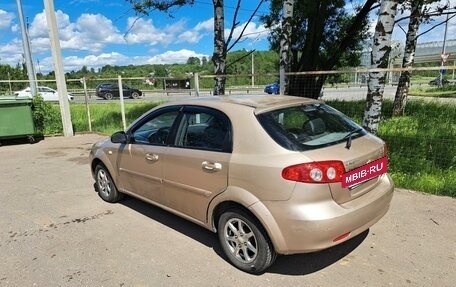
<point x="105" y="185"/>
<point x="108" y="96"/>
<point x="245" y="242"/>
<point x="135" y="95"/>
<point x="240" y="240"/>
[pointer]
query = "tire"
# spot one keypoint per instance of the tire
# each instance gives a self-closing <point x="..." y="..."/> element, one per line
<point x="105" y="186"/>
<point x="108" y="96"/>
<point x="135" y="95"/>
<point x="245" y="242"/>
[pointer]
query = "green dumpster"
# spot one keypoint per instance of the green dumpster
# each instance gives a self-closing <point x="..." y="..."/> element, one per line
<point x="16" y="118"/>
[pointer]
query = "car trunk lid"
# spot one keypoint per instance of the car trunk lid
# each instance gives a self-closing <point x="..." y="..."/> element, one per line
<point x="363" y="150"/>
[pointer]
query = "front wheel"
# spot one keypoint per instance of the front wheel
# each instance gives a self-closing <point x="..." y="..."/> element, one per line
<point x="245" y="242"/>
<point x="108" y="96"/>
<point x="105" y="185"/>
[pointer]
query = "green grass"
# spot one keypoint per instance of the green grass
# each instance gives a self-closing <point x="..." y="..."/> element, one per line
<point x="106" y="118"/>
<point x="421" y="144"/>
<point x="448" y="91"/>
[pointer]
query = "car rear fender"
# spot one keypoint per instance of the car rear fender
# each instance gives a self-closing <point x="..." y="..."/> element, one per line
<point x="234" y="196"/>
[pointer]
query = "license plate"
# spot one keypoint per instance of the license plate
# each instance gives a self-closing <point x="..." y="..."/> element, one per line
<point x="365" y="172"/>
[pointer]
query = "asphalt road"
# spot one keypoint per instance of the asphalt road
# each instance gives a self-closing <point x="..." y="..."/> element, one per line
<point x="353" y="93"/>
<point x="56" y="231"/>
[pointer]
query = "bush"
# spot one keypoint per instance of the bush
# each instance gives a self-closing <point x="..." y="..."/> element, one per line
<point x="46" y="117"/>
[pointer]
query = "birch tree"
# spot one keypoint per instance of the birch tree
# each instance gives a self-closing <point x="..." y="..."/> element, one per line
<point x="326" y="35"/>
<point x="409" y="57"/>
<point x="220" y="48"/>
<point x="419" y="13"/>
<point x="285" y="44"/>
<point x="381" y="49"/>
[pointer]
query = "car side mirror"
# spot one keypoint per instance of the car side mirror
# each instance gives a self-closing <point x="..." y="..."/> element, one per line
<point x="119" y="137"/>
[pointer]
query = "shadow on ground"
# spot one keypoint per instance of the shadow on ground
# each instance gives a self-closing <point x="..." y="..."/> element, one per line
<point x="22" y="140"/>
<point x="300" y="264"/>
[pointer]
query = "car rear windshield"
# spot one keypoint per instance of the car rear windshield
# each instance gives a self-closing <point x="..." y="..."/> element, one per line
<point x="309" y="126"/>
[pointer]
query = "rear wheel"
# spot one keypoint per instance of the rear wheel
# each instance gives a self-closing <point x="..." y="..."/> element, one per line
<point x="105" y="185"/>
<point x="108" y="96"/>
<point x="135" y="95"/>
<point x="245" y="242"/>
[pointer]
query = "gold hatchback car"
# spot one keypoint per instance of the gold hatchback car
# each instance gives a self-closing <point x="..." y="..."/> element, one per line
<point x="269" y="174"/>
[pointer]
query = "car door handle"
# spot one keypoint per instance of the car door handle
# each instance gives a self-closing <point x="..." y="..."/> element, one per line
<point x="152" y="157"/>
<point x="211" y="166"/>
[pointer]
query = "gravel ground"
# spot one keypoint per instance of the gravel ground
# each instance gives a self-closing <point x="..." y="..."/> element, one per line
<point x="56" y="231"/>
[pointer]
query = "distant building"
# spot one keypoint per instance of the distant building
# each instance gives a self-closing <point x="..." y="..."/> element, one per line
<point x="425" y="53"/>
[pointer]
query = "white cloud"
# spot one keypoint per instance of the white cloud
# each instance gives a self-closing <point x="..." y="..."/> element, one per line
<point x="174" y="57"/>
<point x="90" y="32"/>
<point x="97" y="28"/>
<point x="11" y="53"/>
<point x="6" y="19"/>
<point x="194" y="35"/>
<point x="75" y="63"/>
<point x="252" y="31"/>
<point x="145" y="32"/>
<point x="205" y="26"/>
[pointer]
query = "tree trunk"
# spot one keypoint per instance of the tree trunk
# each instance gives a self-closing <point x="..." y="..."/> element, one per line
<point x="400" y="99"/>
<point x="285" y="45"/>
<point x="219" y="56"/>
<point x="308" y="57"/>
<point x="379" y="59"/>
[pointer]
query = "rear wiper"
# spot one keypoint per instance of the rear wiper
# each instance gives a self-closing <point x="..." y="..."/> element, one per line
<point x="348" y="137"/>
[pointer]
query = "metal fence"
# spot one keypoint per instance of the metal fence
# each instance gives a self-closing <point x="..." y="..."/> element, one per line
<point x="421" y="143"/>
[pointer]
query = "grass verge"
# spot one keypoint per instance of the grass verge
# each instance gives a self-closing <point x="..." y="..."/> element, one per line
<point x="448" y="91"/>
<point x="421" y="144"/>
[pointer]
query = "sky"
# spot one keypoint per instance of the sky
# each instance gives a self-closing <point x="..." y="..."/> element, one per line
<point x="95" y="33"/>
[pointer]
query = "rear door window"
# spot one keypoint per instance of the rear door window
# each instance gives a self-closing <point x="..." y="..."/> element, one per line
<point x="204" y="128"/>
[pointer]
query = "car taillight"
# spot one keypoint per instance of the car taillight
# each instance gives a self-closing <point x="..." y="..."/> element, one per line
<point x="315" y="172"/>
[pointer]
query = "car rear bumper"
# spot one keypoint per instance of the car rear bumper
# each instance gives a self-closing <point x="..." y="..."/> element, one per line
<point x="301" y="227"/>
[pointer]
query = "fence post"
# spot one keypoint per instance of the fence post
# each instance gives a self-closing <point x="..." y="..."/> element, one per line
<point x="84" y="82"/>
<point x="122" y="107"/>
<point x="196" y="76"/>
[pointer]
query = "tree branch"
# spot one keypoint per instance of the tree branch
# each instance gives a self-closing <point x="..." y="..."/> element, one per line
<point x="351" y="32"/>
<point x="435" y="26"/>
<point x="234" y="23"/>
<point x="237" y="60"/>
<point x="245" y="26"/>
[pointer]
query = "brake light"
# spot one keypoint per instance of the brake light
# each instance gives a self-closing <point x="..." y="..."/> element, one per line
<point x="315" y="172"/>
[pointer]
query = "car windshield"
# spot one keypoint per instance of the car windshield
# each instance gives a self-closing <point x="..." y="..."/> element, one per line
<point x="309" y="126"/>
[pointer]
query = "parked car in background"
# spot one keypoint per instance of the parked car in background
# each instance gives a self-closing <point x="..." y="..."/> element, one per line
<point x="109" y="91"/>
<point x="272" y="88"/>
<point x="48" y="94"/>
<point x="270" y="174"/>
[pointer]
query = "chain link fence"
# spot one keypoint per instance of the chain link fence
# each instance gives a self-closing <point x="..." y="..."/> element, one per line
<point x="421" y="142"/>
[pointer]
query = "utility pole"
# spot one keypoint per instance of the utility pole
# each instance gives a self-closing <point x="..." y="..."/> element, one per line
<point x="444" y="55"/>
<point x="253" y="71"/>
<point x="27" y="51"/>
<point x="58" y="68"/>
